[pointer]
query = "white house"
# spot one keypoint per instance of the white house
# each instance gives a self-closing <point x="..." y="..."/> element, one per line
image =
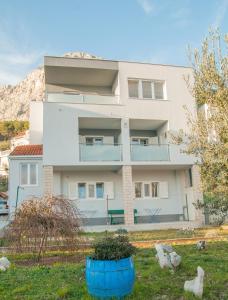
<point x="105" y="129"/>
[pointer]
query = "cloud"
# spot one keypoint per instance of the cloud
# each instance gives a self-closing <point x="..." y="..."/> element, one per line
<point x="146" y="5"/>
<point x="220" y="13"/>
<point x="17" y="59"/>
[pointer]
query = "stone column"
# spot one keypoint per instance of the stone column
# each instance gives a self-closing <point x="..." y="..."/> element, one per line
<point x="198" y="194"/>
<point x="47" y="180"/>
<point x="128" y="195"/>
<point x="125" y="137"/>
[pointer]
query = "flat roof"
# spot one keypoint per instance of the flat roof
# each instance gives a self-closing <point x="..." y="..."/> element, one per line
<point x="113" y="61"/>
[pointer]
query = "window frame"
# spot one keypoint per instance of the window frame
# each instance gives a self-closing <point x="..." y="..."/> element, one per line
<point x="158" y="191"/>
<point x="140" y="89"/>
<point x="28" y="184"/>
<point x="103" y="197"/>
<point x="143" y="183"/>
<point x="87" y="183"/>
<point x="94" y="137"/>
<point x="139" y="138"/>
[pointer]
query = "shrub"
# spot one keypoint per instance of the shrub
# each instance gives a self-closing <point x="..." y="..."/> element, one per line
<point x="113" y="248"/>
<point x="44" y="224"/>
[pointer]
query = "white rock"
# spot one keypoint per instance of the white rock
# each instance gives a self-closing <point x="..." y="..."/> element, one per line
<point x="196" y="285"/>
<point x="2" y="268"/>
<point x="175" y="259"/>
<point x="167" y="248"/>
<point x="4" y="262"/>
<point x="201" y="245"/>
<point x="163" y="258"/>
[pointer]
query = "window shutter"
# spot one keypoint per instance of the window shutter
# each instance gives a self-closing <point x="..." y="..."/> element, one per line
<point x="163" y="189"/>
<point x="73" y="190"/>
<point x="109" y="190"/>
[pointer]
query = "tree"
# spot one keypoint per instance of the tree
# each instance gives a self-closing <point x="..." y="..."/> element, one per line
<point x="208" y="138"/>
<point x="41" y="224"/>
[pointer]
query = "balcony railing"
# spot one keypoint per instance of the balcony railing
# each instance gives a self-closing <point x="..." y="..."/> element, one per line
<point x="103" y="152"/>
<point x="82" y="98"/>
<point x="150" y="152"/>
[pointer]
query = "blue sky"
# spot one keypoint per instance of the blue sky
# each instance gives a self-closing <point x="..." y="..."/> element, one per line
<point x="156" y="31"/>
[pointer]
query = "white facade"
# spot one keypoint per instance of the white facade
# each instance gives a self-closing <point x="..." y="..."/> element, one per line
<point x="105" y="128"/>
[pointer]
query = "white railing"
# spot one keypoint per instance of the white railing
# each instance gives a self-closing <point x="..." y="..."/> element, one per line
<point x="82" y="98"/>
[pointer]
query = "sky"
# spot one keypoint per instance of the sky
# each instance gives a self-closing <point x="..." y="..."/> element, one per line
<point x="154" y="31"/>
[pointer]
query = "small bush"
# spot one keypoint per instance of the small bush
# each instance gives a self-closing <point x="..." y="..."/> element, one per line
<point x="113" y="248"/>
<point x="121" y="231"/>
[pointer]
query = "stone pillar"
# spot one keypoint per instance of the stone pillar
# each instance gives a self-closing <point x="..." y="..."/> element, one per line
<point x="198" y="194"/>
<point x="125" y="137"/>
<point x="128" y="195"/>
<point x="47" y="180"/>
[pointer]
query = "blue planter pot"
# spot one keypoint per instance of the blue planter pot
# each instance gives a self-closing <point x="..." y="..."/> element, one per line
<point x="110" y="278"/>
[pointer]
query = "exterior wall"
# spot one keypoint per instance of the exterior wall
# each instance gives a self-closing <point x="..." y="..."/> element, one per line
<point x="173" y="205"/>
<point x="95" y="208"/>
<point x="63" y="128"/>
<point x="36" y="122"/>
<point x="14" y="181"/>
<point x="149" y="210"/>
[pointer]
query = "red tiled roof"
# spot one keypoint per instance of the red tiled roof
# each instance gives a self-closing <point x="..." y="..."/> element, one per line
<point x="27" y="150"/>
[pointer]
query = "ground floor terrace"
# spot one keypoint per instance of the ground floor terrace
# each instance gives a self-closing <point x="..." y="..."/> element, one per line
<point x="133" y="197"/>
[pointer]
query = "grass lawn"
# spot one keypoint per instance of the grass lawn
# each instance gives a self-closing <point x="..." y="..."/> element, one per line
<point x="66" y="281"/>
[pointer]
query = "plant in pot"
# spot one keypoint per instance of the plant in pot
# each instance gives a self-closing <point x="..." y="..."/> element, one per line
<point x="110" y="270"/>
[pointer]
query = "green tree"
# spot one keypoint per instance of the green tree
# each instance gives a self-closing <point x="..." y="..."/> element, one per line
<point x="208" y="138"/>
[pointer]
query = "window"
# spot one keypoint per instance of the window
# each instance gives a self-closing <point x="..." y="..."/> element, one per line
<point x="81" y="190"/>
<point x="100" y="190"/>
<point x="146" y="190"/>
<point x="29" y="174"/>
<point x="146" y="89"/>
<point x="133" y="88"/>
<point x="158" y="90"/>
<point x="154" y="189"/>
<point x="138" y="189"/>
<point x="94" y="140"/>
<point x="140" y="141"/>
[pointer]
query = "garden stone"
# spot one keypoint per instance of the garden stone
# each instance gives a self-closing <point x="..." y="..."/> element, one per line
<point x="4" y="262"/>
<point x="196" y="285"/>
<point x="167" y="248"/>
<point x="175" y="259"/>
<point x="2" y="268"/>
<point x="163" y="258"/>
<point x="201" y="245"/>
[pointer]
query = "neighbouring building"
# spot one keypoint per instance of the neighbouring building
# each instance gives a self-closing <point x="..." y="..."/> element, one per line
<point x="102" y="137"/>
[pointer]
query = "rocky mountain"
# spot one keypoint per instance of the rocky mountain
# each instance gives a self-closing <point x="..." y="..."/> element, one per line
<point x="14" y="99"/>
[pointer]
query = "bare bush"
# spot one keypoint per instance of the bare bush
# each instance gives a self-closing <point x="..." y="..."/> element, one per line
<point x="41" y="224"/>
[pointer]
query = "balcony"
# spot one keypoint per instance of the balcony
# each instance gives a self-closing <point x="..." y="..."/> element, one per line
<point x="103" y="152"/>
<point x="150" y="152"/>
<point x="82" y="98"/>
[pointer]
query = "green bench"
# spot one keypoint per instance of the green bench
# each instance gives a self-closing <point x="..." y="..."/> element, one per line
<point x="113" y="213"/>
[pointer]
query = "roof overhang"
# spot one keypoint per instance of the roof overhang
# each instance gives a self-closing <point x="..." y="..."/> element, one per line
<point x="80" y="72"/>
